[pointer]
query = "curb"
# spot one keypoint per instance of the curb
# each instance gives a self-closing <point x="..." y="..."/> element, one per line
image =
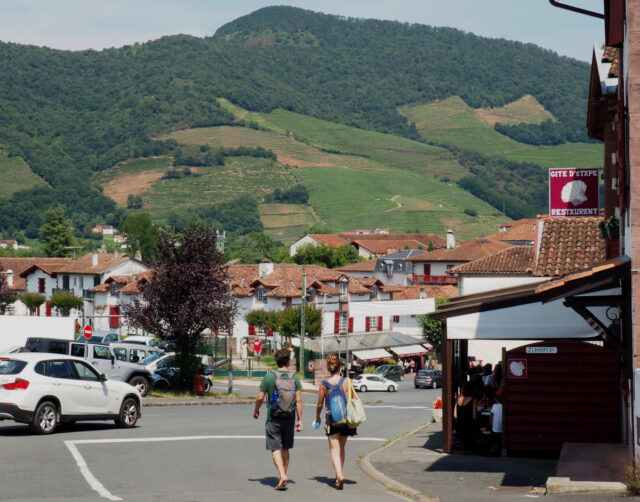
<point x="565" y="485"/>
<point x="194" y="403"/>
<point x="368" y="468"/>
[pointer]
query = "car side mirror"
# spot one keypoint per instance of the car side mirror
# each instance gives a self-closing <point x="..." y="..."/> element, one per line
<point x="103" y="377"/>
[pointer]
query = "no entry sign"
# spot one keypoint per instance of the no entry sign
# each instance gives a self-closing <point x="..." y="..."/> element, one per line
<point x="87" y="331"/>
<point x="573" y="192"/>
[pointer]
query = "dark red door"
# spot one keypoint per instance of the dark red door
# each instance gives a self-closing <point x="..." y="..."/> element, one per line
<point x="561" y="391"/>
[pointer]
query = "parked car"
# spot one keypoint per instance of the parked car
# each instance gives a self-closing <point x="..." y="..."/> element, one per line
<point x="366" y="381"/>
<point x="44" y="390"/>
<point x="99" y="338"/>
<point x="391" y="372"/>
<point x="157" y="360"/>
<point x="141" y="340"/>
<point x="428" y="378"/>
<point x="164" y="377"/>
<point x="100" y="356"/>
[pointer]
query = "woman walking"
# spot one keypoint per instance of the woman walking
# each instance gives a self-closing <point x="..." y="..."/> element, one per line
<point x="337" y="433"/>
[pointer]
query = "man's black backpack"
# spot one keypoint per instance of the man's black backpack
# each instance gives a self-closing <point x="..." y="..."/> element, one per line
<point x="283" y="401"/>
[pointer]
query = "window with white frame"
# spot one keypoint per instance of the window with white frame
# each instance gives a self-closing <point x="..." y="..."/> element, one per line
<point x="373" y="323"/>
<point x="260" y="294"/>
<point x="343" y="321"/>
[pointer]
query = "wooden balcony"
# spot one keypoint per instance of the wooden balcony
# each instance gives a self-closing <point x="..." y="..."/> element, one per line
<point x="434" y="280"/>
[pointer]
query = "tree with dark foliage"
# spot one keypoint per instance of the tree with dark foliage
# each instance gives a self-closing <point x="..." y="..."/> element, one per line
<point x="188" y="293"/>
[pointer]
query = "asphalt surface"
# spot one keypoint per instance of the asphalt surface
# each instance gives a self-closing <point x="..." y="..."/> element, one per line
<point x="193" y="453"/>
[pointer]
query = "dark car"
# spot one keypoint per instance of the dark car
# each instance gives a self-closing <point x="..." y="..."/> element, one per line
<point x="428" y="378"/>
<point x="391" y="372"/>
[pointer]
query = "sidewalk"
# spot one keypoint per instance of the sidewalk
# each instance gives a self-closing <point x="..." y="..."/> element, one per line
<point x="416" y="466"/>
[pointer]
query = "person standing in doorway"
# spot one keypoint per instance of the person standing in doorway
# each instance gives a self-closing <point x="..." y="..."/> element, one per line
<point x="284" y="413"/>
<point x="257" y="348"/>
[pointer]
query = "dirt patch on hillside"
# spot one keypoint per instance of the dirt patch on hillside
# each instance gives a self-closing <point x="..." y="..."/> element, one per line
<point x="120" y="188"/>
<point x="293" y="162"/>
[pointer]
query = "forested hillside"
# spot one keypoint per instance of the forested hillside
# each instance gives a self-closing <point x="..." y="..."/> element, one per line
<point x="71" y="114"/>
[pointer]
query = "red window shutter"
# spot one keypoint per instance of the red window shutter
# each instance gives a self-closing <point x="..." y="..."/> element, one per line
<point x="114" y="322"/>
<point x="336" y="323"/>
<point x="379" y="323"/>
<point x="48" y="308"/>
<point x="367" y="327"/>
<point x="350" y="324"/>
<point x="252" y="329"/>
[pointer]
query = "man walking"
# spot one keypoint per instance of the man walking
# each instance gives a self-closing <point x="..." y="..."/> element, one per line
<point x="284" y="412"/>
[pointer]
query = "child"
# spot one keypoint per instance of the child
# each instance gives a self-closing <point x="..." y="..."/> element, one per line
<point x="496" y="426"/>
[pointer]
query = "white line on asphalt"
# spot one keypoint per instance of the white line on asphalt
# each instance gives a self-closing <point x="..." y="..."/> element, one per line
<point x="397" y="407"/>
<point x="88" y="475"/>
<point x="103" y="492"/>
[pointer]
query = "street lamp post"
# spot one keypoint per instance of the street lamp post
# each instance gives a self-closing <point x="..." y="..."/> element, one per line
<point x="303" y="317"/>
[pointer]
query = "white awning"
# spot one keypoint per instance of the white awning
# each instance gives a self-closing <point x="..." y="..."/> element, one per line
<point x="532" y="321"/>
<point x="393" y="307"/>
<point x="409" y="350"/>
<point x="372" y="355"/>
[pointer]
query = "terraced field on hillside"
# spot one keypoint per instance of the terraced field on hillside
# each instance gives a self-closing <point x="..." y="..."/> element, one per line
<point x="16" y="175"/>
<point x="452" y="122"/>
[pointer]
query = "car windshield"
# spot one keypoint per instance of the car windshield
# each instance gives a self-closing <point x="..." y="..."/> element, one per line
<point x="423" y="373"/>
<point x="11" y="366"/>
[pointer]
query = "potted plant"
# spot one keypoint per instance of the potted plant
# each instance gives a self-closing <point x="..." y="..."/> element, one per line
<point x="613" y="227"/>
<point x="437" y="410"/>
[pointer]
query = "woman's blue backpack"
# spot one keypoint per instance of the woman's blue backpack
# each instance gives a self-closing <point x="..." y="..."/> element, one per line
<point x="336" y="402"/>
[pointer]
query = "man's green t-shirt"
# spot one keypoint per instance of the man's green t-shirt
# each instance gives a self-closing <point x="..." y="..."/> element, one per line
<point x="268" y="385"/>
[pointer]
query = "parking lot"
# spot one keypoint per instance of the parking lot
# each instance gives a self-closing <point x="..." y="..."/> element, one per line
<point x="197" y="453"/>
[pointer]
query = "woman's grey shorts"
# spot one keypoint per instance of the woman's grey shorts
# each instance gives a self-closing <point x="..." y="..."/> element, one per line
<point x="279" y="433"/>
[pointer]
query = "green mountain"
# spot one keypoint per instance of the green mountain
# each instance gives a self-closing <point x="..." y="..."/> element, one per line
<point x="70" y="115"/>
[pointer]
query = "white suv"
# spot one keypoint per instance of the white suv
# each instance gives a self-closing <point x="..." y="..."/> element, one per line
<point x="43" y="390"/>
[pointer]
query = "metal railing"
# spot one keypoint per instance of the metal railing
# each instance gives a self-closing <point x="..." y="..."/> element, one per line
<point x="438" y="280"/>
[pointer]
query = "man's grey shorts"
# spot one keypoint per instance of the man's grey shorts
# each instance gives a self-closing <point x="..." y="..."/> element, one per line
<point x="279" y="433"/>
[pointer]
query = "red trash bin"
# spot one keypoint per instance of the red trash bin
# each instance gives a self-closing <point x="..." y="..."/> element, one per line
<point x="198" y="385"/>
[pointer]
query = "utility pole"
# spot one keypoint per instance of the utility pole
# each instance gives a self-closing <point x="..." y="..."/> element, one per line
<point x="303" y="317"/>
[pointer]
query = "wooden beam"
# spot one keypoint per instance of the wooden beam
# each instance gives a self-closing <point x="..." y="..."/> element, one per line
<point x="447" y="391"/>
<point x="605" y="334"/>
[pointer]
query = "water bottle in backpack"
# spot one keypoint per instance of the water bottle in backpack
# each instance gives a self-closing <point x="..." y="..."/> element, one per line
<point x="283" y="400"/>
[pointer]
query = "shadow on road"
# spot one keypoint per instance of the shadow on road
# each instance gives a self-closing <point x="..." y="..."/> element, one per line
<point x="18" y="430"/>
<point x="269" y="481"/>
<point x="331" y="481"/>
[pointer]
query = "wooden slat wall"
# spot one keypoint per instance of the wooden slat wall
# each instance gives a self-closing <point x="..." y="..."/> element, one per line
<point x="571" y="396"/>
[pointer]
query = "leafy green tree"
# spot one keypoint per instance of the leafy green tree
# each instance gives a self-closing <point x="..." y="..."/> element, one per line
<point x="142" y="236"/>
<point x="326" y="256"/>
<point x="32" y="301"/>
<point x="187" y="294"/>
<point x="290" y="321"/>
<point x="65" y="302"/>
<point x="7" y="296"/>
<point x="432" y="328"/>
<point x="56" y="233"/>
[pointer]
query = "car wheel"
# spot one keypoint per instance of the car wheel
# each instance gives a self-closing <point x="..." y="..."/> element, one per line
<point x="45" y="419"/>
<point x="434" y="384"/>
<point x="129" y="413"/>
<point x="140" y="383"/>
<point x="363" y="388"/>
<point x="391" y="388"/>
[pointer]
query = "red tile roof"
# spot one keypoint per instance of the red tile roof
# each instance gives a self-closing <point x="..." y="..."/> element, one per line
<point x="520" y="230"/>
<point x="417" y="292"/>
<point x="568" y="245"/>
<point x="362" y="266"/>
<point x="513" y="260"/>
<point x="389" y="246"/>
<point x="84" y="264"/>
<point x="21" y="266"/>
<point x="467" y="251"/>
<point x="332" y="240"/>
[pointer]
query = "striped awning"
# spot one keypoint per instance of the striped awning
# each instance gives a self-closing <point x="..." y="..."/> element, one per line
<point x="409" y="350"/>
<point x="372" y="355"/>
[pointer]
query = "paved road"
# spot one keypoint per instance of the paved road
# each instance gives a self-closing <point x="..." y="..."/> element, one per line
<point x="196" y="453"/>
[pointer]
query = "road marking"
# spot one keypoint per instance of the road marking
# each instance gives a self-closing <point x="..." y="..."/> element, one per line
<point x="98" y="487"/>
<point x="397" y="407"/>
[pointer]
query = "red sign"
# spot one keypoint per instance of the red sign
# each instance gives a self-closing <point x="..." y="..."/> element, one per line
<point x="573" y="192"/>
<point x="517" y="368"/>
<point x="87" y="331"/>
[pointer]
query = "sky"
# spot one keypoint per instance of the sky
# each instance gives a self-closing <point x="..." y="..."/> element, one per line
<point x="98" y="24"/>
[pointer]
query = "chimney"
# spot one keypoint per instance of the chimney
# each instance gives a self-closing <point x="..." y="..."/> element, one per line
<point x="138" y="255"/>
<point x="265" y="268"/>
<point x="451" y="239"/>
<point x="94" y="260"/>
<point x="10" y="278"/>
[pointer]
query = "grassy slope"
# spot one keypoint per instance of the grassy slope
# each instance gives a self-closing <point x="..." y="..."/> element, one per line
<point x="452" y="122"/>
<point x="16" y="175"/>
